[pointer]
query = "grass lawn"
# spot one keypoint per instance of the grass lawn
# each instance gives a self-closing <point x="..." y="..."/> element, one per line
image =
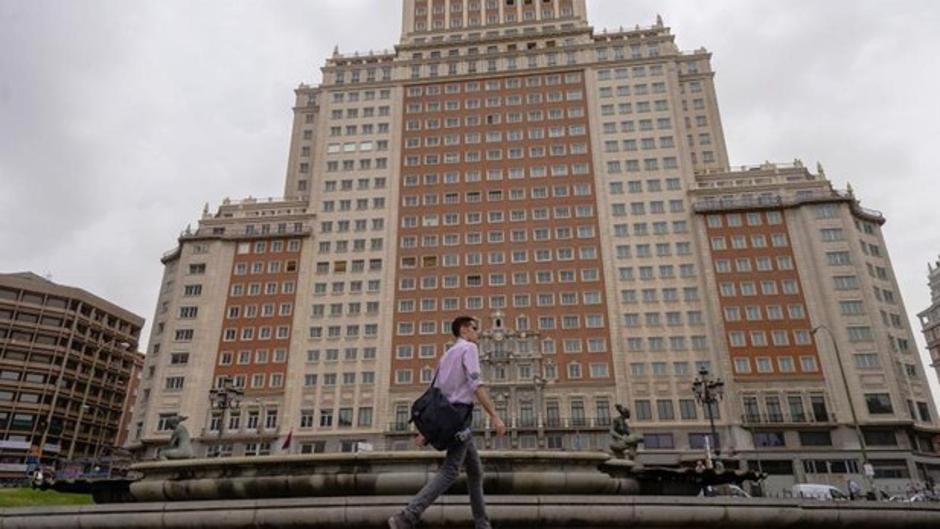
<point x="21" y="497"/>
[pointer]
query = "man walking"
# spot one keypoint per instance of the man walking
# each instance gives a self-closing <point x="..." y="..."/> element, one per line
<point x="458" y="378"/>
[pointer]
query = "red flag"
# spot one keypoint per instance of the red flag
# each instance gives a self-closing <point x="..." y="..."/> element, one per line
<point x="286" y="445"/>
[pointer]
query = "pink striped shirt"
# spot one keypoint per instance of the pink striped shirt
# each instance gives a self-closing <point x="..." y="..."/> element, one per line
<point x="458" y="374"/>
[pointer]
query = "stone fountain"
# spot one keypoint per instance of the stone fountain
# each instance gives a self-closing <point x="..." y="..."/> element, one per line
<point x="545" y="489"/>
<point x="524" y="489"/>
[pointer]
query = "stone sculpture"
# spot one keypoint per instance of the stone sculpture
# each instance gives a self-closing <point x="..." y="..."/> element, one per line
<point x="180" y="446"/>
<point x="624" y="443"/>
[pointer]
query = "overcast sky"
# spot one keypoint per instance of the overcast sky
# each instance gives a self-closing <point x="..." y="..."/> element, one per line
<point x="119" y="118"/>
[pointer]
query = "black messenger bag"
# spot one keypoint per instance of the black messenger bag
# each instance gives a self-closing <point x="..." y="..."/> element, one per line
<point x="436" y="418"/>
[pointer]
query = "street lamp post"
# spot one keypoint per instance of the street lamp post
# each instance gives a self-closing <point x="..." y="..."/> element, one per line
<point x="102" y="414"/>
<point x="225" y="396"/>
<point x="867" y="469"/>
<point x="708" y="392"/>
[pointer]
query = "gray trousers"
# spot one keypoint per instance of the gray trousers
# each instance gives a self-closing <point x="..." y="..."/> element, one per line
<point x="458" y="453"/>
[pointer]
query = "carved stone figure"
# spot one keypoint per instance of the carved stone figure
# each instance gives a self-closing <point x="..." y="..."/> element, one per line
<point x="180" y="446"/>
<point x="623" y="441"/>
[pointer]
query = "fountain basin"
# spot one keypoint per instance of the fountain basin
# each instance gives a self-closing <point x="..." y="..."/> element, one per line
<point x="508" y="512"/>
<point x="372" y="474"/>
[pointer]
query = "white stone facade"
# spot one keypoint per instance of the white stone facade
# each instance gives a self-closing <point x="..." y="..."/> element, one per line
<point x="661" y="173"/>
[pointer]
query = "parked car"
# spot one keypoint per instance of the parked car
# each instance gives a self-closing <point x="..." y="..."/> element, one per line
<point x="922" y="497"/>
<point x="733" y="491"/>
<point x="813" y="491"/>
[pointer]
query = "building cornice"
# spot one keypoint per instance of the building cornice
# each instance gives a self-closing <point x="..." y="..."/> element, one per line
<point x="46" y="286"/>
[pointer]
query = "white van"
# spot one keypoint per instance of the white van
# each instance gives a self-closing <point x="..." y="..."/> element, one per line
<point x="811" y="491"/>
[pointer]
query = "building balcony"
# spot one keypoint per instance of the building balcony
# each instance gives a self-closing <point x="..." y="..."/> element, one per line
<point x="769" y="201"/>
<point x="577" y="423"/>
<point x="721" y="204"/>
<point x="765" y="420"/>
<point x="571" y="424"/>
<point x="241" y="232"/>
<point x="242" y="434"/>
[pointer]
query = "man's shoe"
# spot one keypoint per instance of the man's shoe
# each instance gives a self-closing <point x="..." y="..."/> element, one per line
<point x="399" y="521"/>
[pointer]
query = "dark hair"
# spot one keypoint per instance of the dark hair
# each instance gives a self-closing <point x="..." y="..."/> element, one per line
<point x="461" y="322"/>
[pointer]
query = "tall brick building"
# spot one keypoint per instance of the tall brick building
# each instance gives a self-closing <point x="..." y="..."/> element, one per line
<point x="571" y="188"/>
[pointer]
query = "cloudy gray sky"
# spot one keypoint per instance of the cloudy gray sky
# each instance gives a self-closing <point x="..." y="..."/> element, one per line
<point x="119" y="118"/>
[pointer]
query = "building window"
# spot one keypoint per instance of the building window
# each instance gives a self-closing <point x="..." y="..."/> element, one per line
<point x="879" y="403"/>
<point x="174" y="383"/>
<point x="880" y="438"/>
<point x="697" y="441"/>
<point x="365" y="417"/>
<point x="164" y="422"/>
<point x="306" y="418"/>
<point x="772" y="438"/>
<point x="815" y="438"/>
<point x="658" y="441"/>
